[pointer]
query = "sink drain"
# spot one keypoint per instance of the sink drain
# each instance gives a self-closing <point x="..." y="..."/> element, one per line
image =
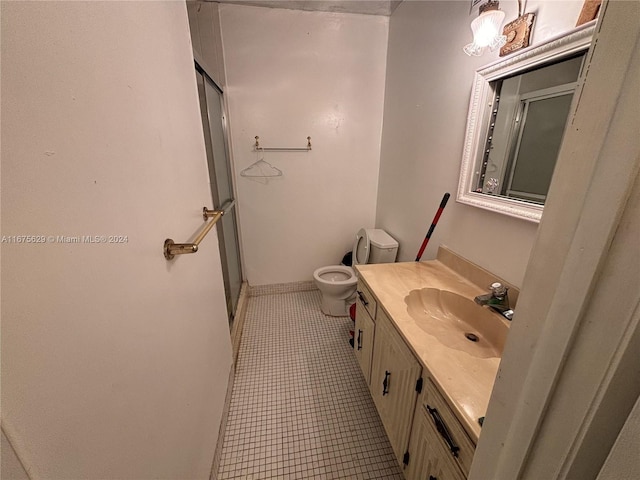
<point x="471" y="337"/>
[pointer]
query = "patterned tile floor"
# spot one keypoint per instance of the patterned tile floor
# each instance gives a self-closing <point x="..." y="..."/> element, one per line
<point x="300" y="408"/>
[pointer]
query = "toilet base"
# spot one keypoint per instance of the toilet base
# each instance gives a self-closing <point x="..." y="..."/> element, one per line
<point x="335" y="307"/>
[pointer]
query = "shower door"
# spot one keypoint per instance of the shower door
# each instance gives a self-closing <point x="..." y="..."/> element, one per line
<point x="215" y="139"/>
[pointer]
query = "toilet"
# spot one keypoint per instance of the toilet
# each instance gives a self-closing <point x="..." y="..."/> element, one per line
<point x="337" y="283"/>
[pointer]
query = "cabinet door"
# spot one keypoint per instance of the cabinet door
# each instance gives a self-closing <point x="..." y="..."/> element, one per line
<point x="363" y="338"/>
<point x="428" y="459"/>
<point x="394" y="373"/>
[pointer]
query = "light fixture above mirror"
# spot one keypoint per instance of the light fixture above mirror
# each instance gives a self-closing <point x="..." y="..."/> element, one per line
<point x="486" y="30"/>
<point x="512" y="137"/>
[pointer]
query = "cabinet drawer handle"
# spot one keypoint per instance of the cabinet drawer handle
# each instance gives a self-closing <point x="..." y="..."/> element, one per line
<point x="442" y="430"/>
<point x="385" y="383"/>
<point x="362" y="298"/>
<point x="359" y="339"/>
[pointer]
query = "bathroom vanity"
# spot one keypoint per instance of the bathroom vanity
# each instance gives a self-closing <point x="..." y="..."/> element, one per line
<point x="430" y="374"/>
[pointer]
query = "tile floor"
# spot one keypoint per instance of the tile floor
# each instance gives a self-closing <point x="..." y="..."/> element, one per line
<point x="300" y="408"/>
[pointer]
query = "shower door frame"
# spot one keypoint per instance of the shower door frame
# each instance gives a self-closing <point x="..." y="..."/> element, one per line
<point x="231" y="298"/>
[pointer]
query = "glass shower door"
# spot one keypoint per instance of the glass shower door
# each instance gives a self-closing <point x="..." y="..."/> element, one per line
<point x="214" y="125"/>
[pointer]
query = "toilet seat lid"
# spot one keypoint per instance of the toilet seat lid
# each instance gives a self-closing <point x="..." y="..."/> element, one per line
<point x="361" y="248"/>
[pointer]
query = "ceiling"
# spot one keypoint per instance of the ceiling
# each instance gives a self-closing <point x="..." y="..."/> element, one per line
<point x="367" y="7"/>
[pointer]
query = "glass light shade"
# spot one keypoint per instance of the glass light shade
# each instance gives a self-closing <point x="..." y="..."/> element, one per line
<point x="486" y="33"/>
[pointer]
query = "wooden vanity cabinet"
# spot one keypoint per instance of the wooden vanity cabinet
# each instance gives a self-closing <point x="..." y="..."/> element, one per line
<point x="426" y="436"/>
<point x="395" y="375"/>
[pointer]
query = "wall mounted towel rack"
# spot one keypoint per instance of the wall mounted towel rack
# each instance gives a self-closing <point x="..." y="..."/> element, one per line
<point x="282" y="149"/>
<point x="171" y="249"/>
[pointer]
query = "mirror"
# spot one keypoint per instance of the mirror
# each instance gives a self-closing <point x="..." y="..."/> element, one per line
<point x="517" y="116"/>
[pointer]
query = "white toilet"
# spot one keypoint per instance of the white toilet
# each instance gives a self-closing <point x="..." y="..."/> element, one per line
<point x="337" y="283"/>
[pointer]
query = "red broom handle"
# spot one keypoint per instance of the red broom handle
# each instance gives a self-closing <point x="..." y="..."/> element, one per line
<point x="443" y="204"/>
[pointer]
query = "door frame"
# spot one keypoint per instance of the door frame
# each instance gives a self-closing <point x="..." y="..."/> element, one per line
<point x="201" y="70"/>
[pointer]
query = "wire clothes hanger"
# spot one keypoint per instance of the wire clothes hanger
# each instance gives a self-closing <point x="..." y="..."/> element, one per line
<point x="261" y="169"/>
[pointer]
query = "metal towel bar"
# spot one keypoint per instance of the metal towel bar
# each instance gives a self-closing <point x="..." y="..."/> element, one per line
<point x="171" y="249"/>
<point x="282" y="149"/>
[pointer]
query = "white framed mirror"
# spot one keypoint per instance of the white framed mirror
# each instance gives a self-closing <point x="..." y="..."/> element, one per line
<point x="517" y="115"/>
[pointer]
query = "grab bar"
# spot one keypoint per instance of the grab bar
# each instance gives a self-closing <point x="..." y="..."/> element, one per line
<point x="171" y="249"/>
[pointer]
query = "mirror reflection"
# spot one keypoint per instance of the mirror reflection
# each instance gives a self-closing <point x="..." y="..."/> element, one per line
<point x="526" y="125"/>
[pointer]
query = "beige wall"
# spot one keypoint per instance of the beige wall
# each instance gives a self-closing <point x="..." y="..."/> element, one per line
<point x="623" y="460"/>
<point x="428" y="86"/>
<point x="10" y="468"/>
<point x="114" y="362"/>
<point x="292" y="74"/>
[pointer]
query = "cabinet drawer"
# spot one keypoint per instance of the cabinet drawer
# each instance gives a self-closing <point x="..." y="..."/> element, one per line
<point x="366" y="299"/>
<point x="363" y="339"/>
<point x="451" y="433"/>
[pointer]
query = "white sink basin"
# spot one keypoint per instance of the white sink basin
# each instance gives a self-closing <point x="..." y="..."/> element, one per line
<point x="457" y="322"/>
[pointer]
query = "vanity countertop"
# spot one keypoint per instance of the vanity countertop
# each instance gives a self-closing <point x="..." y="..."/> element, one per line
<point x="465" y="381"/>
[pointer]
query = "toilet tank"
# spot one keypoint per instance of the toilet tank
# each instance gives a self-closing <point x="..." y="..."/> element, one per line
<point x="384" y="248"/>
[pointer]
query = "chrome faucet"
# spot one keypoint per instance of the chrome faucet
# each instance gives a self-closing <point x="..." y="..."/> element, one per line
<point x="498" y="299"/>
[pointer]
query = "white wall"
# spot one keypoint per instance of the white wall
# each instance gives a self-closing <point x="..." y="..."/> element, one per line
<point x="293" y="74"/>
<point x="428" y="87"/>
<point x="115" y="362"/>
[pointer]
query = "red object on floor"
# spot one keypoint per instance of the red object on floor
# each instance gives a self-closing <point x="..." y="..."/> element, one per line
<point x="352" y="312"/>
